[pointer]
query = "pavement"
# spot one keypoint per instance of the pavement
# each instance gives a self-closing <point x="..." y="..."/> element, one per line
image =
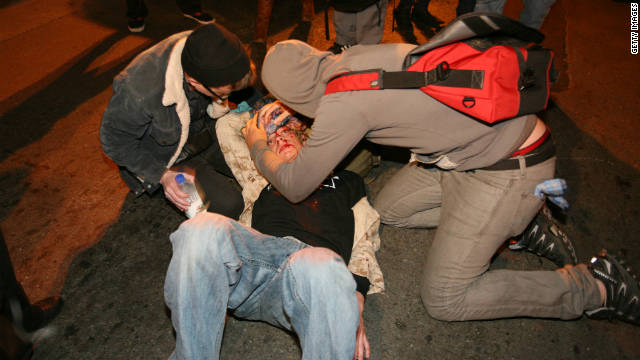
<point x="73" y="229"/>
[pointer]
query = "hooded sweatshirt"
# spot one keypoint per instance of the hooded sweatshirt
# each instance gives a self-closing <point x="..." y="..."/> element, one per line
<point x="297" y="74"/>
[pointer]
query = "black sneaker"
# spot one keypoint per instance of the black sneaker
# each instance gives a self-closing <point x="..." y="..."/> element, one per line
<point x="337" y="48"/>
<point x="201" y="17"/>
<point x="544" y="238"/>
<point x="623" y="291"/>
<point x="136" y="24"/>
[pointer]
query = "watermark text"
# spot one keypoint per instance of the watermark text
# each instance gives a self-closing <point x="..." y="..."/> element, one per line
<point x="634" y="28"/>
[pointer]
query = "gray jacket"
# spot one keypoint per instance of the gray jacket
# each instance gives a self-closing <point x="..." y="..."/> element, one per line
<point x="146" y="123"/>
<point x="297" y="74"/>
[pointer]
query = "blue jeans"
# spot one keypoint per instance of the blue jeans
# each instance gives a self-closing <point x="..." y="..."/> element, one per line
<point x="219" y="264"/>
<point x="532" y="15"/>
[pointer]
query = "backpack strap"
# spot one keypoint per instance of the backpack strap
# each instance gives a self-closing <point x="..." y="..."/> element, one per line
<point x="378" y="79"/>
<point x="473" y="25"/>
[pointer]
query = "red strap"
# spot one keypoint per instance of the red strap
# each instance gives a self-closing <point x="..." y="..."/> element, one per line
<point x="365" y="80"/>
<point x="533" y="146"/>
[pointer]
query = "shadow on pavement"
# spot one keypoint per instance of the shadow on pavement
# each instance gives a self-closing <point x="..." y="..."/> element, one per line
<point x="114" y="290"/>
<point x="68" y="87"/>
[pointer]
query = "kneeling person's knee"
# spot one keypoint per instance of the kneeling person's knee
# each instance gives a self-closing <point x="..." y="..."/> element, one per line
<point x="440" y="302"/>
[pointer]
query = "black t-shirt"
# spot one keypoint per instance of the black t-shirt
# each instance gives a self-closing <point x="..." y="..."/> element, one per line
<point x="324" y="219"/>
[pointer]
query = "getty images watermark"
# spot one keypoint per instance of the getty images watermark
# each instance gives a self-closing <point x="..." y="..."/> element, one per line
<point x="634" y="28"/>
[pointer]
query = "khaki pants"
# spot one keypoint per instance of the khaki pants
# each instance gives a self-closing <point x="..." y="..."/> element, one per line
<point x="475" y="212"/>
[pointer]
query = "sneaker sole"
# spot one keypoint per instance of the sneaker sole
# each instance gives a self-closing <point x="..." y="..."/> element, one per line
<point x="137" y="29"/>
<point x="630" y="285"/>
<point x="198" y="20"/>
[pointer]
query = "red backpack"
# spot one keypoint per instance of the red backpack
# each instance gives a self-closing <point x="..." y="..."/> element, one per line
<point x="480" y="64"/>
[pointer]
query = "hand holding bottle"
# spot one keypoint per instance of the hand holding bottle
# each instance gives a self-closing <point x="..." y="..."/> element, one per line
<point x="172" y="190"/>
<point x="197" y="198"/>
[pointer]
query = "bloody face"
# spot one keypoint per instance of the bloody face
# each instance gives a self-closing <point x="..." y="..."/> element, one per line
<point x="285" y="143"/>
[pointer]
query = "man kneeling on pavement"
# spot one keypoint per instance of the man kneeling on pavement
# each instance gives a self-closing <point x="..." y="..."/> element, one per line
<point x="289" y="269"/>
<point x="477" y="184"/>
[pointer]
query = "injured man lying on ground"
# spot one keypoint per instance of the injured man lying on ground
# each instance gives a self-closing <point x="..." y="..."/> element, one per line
<point x="304" y="267"/>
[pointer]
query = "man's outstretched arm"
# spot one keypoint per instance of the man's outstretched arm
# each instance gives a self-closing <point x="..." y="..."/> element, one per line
<point x="362" y="343"/>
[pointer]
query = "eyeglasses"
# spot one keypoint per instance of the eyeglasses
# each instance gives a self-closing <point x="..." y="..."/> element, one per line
<point x="220" y="99"/>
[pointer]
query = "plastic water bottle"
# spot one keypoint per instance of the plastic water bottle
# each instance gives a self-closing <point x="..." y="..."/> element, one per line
<point x="196" y="196"/>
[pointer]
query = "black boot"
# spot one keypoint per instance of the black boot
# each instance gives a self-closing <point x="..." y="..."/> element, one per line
<point x="402" y="18"/>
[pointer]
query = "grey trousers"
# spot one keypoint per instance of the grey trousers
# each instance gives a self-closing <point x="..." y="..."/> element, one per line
<point x="365" y="27"/>
<point x="475" y="213"/>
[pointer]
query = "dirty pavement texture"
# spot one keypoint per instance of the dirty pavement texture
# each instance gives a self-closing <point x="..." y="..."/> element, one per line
<point x="72" y="228"/>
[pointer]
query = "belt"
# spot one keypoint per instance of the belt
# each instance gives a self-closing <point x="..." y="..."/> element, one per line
<point x="533" y="154"/>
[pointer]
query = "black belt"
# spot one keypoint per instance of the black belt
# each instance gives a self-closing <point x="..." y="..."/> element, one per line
<point x="544" y="152"/>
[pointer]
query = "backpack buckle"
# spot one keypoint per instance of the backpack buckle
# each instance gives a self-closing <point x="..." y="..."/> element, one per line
<point x="468" y="102"/>
<point x="527" y="80"/>
<point x="443" y="70"/>
<point x="439" y="73"/>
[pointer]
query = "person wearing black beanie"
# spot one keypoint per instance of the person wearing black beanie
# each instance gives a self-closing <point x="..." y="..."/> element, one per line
<point x="161" y="118"/>
<point x="214" y="56"/>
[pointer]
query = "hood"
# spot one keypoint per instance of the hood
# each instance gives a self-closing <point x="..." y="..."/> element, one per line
<point x="297" y="74"/>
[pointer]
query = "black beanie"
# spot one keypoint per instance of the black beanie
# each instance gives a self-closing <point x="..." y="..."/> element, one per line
<point x="214" y="56"/>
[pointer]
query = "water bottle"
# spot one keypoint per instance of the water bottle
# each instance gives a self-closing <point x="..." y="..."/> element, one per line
<point x="196" y="196"/>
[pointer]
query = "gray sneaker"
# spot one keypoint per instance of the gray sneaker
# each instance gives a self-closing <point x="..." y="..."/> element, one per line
<point x="623" y="291"/>
<point x="544" y="238"/>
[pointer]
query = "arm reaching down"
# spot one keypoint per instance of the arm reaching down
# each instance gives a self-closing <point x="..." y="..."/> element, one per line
<point x="172" y="190"/>
<point x="362" y="343"/>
